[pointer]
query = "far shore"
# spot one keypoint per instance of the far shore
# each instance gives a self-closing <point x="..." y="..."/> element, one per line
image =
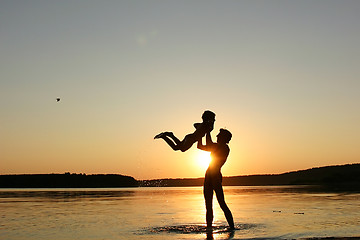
<point x="339" y="177"/>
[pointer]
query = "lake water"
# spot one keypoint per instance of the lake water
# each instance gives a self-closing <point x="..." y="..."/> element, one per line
<point x="175" y="213"/>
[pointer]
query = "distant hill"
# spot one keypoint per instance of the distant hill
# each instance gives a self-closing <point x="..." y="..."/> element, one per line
<point x="341" y="176"/>
<point x="334" y="177"/>
<point x="66" y="180"/>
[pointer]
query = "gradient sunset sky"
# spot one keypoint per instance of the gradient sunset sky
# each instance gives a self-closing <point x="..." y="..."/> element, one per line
<point x="282" y="76"/>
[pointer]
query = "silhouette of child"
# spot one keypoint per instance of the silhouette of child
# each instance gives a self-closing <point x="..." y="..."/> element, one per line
<point x="213" y="177"/>
<point x="207" y="125"/>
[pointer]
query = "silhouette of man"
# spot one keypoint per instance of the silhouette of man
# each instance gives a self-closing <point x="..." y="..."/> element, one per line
<point x="213" y="177"/>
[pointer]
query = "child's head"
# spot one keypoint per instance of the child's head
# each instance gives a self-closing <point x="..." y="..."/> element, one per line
<point x="224" y="135"/>
<point x="208" y="116"/>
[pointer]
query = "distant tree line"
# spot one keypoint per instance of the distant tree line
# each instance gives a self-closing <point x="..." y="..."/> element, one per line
<point x="341" y="177"/>
<point x="66" y="180"/>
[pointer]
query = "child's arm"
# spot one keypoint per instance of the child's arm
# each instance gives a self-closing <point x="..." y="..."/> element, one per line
<point x="209" y="141"/>
<point x="201" y="146"/>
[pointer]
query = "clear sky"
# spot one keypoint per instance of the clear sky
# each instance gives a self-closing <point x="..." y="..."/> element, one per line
<point x="282" y="76"/>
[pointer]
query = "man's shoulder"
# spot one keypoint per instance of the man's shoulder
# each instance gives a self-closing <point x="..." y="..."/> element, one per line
<point x="223" y="147"/>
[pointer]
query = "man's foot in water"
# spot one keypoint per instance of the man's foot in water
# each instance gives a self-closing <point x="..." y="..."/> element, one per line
<point x="229" y="229"/>
<point x="209" y="229"/>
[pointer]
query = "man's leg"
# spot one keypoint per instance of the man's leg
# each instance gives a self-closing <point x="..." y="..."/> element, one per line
<point x="221" y="200"/>
<point x="208" y="195"/>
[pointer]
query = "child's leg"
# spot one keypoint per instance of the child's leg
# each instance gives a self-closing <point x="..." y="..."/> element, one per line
<point x="170" y="139"/>
<point x="183" y="145"/>
<point x="175" y="143"/>
<point x="171" y="143"/>
<point x="188" y="141"/>
<point x="172" y="136"/>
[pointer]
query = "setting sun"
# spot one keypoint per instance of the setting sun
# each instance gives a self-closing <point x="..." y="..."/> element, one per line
<point x="203" y="159"/>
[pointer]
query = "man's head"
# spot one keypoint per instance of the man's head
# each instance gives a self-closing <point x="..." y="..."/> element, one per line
<point x="224" y="136"/>
<point x="208" y="116"/>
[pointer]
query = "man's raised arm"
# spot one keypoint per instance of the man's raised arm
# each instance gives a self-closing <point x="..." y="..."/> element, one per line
<point x="209" y="141"/>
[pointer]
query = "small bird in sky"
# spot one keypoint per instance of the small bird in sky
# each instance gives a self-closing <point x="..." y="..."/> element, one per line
<point x="57" y="99"/>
